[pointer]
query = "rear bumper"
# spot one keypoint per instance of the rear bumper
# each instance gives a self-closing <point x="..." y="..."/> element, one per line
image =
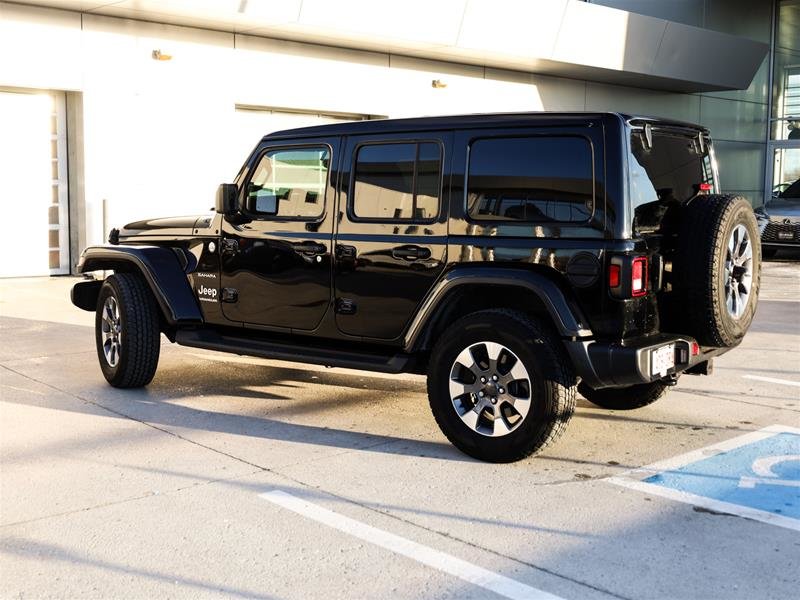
<point x="616" y="364"/>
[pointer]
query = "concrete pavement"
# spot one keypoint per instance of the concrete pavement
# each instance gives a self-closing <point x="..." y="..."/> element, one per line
<point x="156" y="492"/>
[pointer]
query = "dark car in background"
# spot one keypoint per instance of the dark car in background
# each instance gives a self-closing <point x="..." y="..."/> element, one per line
<point x="779" y="220"/>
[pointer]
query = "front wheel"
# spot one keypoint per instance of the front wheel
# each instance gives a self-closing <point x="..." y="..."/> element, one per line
<point x="127" y="331"/>
<point x="624" y="398"/>
<point x="500" y="385"/>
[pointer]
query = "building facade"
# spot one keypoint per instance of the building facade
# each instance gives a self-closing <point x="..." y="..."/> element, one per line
<point x="135" y="109"/>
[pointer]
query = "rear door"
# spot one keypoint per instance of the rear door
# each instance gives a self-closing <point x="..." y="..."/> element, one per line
<point x="391" y="242"/>
<point x="276" y="266"/>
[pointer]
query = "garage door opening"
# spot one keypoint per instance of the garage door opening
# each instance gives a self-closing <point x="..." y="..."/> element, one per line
<point x="254" y="122"/>
<point x="33" y="184"/>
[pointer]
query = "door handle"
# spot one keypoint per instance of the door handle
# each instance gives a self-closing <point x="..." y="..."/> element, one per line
<point x="309" y="248"/>
<point x="411" y="253"/>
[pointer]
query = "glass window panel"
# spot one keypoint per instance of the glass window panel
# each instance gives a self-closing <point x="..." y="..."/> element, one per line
<point x="290" y="183"/>
<point x="531" y="179"/>
<point x="664" y="175"/>
<point x="384" y="179"/>
<point x="786" y="73"/>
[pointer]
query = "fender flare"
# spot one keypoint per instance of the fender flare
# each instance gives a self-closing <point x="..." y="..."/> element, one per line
<point x="566" y="316"/>
<point x="164" y="269"/>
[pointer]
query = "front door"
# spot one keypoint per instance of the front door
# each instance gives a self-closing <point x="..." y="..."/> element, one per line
<point x="391" y="241"/>
<point x="276" y="266"/>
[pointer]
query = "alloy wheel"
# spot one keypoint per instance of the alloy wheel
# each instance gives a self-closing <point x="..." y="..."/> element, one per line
<point x="490" y="389"/>
<point x="111" y="329"/>
<point x="738" y="271"/>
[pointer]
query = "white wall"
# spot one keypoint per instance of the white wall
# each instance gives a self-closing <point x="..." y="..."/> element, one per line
<point x="160" y="135"/>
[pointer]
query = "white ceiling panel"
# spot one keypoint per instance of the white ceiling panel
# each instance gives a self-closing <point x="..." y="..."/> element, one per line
<point x="570" y="38"/>
<point x="489" y="27"/>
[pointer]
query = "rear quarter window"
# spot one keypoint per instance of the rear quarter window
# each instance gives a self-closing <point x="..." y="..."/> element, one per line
<point x="531" y="179"/>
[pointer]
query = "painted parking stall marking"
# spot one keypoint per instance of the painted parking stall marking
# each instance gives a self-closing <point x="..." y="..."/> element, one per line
<point x="772" y="380"/>
<point x="499" y="584"/>
<point x="755" y="475"/>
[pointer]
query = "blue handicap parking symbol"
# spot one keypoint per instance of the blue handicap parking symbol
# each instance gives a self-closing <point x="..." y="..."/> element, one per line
<point x="762" y="475"/>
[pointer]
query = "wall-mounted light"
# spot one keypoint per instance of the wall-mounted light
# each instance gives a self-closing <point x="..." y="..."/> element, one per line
<point x="438" y="84"/>
<point x="158" y="55"/>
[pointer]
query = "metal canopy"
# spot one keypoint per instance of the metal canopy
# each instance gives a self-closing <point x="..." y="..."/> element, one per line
<point x="568" y="38"/>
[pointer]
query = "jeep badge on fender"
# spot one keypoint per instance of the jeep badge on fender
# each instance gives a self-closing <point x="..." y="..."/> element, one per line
<point x="207" y="294"/>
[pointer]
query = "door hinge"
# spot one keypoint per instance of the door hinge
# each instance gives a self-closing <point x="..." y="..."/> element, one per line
<point x="229" y="246"/>
<point x="345" y="252"/>
<point x="345" y="306"/>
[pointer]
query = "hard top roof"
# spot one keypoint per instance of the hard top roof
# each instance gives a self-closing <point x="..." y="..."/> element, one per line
<point x="379" y="126"/>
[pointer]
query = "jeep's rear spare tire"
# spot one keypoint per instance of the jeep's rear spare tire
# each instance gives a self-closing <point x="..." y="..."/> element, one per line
<point x="718" y="269"/>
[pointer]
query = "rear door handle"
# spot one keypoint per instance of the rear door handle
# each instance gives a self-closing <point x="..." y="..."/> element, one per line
<point x="309" y="248"/>
<point x="411" y="252"/>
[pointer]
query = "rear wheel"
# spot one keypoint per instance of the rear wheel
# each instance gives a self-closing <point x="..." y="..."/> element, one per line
<point x="127" y="331"/>
<point x="500" y="386"/>
<point x="624" y="398"/>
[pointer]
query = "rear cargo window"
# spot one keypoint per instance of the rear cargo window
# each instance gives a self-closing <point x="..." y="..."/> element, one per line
<point x="664" y="174"/>
<point x="534" y="179"/>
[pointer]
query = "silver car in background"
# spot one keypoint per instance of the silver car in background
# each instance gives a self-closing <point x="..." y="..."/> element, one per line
<point x="779" y="220"/>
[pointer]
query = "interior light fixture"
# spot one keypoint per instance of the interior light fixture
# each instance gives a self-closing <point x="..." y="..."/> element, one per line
<point x="438" y="84"/>
<point x="158" y="55"/>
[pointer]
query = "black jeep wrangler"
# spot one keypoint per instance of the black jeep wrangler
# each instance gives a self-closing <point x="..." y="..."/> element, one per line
<point x="513" y="258"/>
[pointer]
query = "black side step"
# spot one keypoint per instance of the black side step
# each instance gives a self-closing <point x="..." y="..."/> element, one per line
<point x="329" y="357"/>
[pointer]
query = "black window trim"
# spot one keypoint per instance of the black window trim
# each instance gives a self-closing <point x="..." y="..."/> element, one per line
<point x="351" y="186"/>
<point x="257" y="216"/>
<point x="550" y="134"/>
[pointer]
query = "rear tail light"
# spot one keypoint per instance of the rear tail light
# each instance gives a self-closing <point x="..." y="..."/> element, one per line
<point x="705" y="187"/>
<point x="695" y="348"/>
<point x="627" y="276"/>
<point x="613" y="276"/>
<point x="639" y="276"/>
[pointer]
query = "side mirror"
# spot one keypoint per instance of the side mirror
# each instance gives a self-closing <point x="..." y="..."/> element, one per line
<point x="226" y="199"/>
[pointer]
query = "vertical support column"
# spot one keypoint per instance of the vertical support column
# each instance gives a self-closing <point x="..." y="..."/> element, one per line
<point x="75" y="161"/>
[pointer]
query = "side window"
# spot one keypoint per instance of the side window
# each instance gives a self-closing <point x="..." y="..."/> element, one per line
<point x="397" y="182"/>
<point x="290" y="182"/>
<point x="537" y="179"/>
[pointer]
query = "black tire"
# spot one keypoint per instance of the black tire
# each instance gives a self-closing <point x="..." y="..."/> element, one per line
<point x="624" y="398"/>
<point x="138" y="338"/>
<point x="707" y="225"/>
<point x="551" y="392"/>
<point x="768" y="252"/>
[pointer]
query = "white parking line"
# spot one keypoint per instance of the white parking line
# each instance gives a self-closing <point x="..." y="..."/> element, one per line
<point x="772" y="380"/>
<point x="442" y="561"/>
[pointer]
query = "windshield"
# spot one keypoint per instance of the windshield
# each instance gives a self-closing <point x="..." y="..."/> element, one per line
<point x="790" y="191"/>
<point x="666" y="174"/>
